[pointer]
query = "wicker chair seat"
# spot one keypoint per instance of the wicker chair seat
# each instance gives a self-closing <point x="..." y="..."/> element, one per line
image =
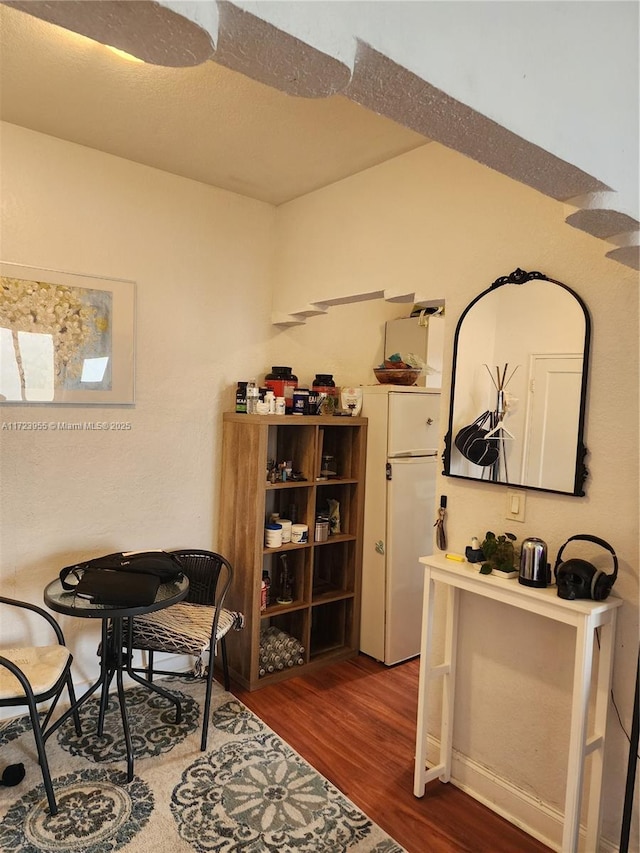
<point x="183" y="629"/>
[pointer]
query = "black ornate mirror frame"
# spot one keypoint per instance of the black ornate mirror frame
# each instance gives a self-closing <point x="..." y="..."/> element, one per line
<point x="520" y="277"/>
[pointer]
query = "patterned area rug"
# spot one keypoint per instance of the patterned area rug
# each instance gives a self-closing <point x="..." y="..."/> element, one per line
<point x="248" y="793"/>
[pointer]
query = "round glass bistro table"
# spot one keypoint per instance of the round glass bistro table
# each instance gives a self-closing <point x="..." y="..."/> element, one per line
<point x="115" y="648"/>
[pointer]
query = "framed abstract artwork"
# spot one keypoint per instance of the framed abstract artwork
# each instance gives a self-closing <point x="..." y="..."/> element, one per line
<point x="65" y="338"/>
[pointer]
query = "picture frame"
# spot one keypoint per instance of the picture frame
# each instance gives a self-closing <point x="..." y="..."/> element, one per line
<point x="65" y="338"/>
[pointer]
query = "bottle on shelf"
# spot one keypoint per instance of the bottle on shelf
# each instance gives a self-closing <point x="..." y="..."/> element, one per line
<point x="252" y="397"/>
<point x="241" y="397"/>
<point x="266" y="580"/>
<point x="286" y="586"/>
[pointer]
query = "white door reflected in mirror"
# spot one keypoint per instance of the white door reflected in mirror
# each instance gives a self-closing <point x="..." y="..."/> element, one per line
<point x="520" y="357"/>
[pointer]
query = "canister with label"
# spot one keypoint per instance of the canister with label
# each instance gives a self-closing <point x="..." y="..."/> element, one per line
<point x="301" y="401"/>
<point x="273" y="535"/>
<point x="286" y="529"/>
<point x="299" y="533"/>
<point x="241" y="397"/>
<point x="328" y="394"/>
<point x="283" y="383"/>
<point x="322" y="528"/>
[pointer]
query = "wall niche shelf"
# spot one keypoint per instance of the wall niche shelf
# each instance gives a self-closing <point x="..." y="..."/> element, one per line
<point x="324" y="613"/>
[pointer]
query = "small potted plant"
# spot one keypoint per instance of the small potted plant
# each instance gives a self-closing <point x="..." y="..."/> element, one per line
<point x="499" y="555"/>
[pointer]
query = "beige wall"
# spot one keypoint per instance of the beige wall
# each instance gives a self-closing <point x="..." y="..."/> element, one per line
<point x="198" y="256"/>
<point x="201" y="259"/>
<point x="433" y="220"/>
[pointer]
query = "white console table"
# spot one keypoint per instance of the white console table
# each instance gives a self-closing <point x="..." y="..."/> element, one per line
<point x="585" y="617"/>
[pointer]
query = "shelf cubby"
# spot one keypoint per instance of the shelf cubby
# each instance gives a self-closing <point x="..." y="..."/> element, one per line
<point x="331" y="626"/>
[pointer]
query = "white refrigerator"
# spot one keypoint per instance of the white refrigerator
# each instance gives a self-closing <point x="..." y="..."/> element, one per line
<point x="399" y="513"/>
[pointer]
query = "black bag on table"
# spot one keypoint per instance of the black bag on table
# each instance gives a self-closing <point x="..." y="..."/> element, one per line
<point x="122" y="579"/>
<point x="120" y="589"/>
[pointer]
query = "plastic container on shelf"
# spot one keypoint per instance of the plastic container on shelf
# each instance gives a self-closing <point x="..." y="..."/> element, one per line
<point x="283" y="383"/>
<point x="273" y="535"/>
<point x="301" y="401"/>
<point x="286" y="525"/>
<point x="324" y="384"/>
<point x="299" y="533"/>
<point x="327" y="394"/>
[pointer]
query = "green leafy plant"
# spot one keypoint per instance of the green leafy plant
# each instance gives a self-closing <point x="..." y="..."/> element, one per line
<point x="499" y="553"/>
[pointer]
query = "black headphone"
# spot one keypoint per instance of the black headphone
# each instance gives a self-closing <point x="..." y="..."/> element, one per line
<point x="596" y="582"/>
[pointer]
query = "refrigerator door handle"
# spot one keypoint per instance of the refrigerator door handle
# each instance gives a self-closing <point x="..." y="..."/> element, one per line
<point x="389" y="474"/>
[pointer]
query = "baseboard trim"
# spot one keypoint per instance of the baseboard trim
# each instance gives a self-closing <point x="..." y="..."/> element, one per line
<point x="535" y="817"/>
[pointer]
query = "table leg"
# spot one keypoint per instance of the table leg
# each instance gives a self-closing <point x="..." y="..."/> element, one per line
<point x="449" y="683"/>
<point x="578" y="734"/>
<point x="107" y="668"/>
<point x="603" y="687"/>
<point x="145" y="681"/>
<point x="426" y="643"/>
<point x="121" y="700"/>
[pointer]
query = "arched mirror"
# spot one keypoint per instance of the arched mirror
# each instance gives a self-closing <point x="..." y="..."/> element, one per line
<point x="518" y="393"/>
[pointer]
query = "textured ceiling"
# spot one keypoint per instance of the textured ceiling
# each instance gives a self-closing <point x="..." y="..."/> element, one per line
<point x="271" y="118"/>
<point x="205" y="122"/>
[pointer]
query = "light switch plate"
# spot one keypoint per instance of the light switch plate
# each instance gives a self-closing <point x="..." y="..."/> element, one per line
<point x="516" y="501"/>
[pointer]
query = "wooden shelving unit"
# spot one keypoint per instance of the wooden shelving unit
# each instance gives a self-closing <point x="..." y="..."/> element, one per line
<point x="324" y="615"/>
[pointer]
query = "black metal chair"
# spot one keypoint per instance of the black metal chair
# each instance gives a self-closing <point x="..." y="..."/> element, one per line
<point x="195" y="626"/>
<point x="30" y="675"/>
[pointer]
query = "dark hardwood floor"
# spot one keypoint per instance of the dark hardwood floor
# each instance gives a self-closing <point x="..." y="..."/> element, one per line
<point x="355" y="723"/>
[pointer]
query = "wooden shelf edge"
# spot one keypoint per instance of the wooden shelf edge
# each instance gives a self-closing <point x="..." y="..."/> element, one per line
<point x="290" y="546"/>
<point x="333" y="595"/>
<point x="278" y="609"/>
<point x="336" y="537"/>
